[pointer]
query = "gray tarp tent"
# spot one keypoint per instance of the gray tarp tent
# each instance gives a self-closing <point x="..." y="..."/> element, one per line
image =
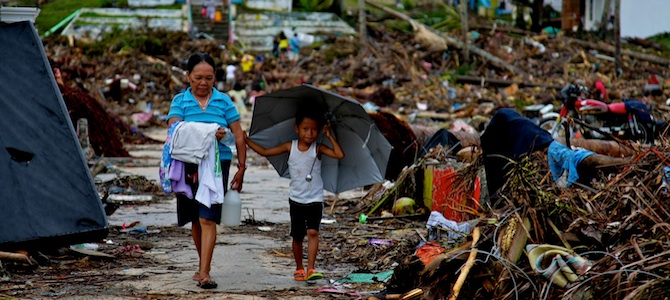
<point x="47" y="194"/>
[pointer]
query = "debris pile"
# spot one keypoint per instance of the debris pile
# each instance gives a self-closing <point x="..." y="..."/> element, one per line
<point x="605" y="239"/>
<point x="530" y="237"/>
<point x="394" y="72"/>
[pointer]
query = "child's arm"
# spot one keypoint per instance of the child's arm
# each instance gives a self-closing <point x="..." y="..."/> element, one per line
<point x="285" y="147"/>
<point x="336" y="152"/>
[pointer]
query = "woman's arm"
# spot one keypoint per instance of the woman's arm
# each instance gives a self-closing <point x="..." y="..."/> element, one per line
<point x="172" y="120"/>
<point x="236" y="183"/>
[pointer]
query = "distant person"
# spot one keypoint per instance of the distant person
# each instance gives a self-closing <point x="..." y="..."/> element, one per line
<point x="256" y="90"/>
<point x="653" y="87"/>
<point x="202" y="104"/>
<point x="259" y="61"/>
<point x="275" y="46"/>
<point x="230" y="74"/>
<point x="247" y="63"/>
<point x="210" y="6"/>
<point x="220" y="77"/>
<point x="283" y="46"/>
<point x="294" y="49"/>
<point x="599" y="90"/>
<point x="306" y="187"/>
<point x="239" y="96"/>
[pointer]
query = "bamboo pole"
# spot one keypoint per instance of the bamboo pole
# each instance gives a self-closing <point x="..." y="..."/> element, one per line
<point x="468" y="265"/>
<point x="501" y="82"/>
<point x="464" y="30"/>
<point x="16" y="257"/>
<point x="362" y="30"/>
<point x="605" y="16"/>
<point x="617" y="38"/>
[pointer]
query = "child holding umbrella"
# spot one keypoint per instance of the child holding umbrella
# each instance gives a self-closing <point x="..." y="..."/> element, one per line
<point x="306" y="187"/>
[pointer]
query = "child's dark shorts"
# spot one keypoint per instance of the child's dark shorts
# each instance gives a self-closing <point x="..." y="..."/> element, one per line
<point x="304" y="217"/>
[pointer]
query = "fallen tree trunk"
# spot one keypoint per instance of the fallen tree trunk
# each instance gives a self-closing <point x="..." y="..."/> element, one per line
<point x="598" y="46"/>
<point x="496" y="61"/>
<point x="466" y="112"/>
<point x="502" y="29"/>
<point x="501" y="82"/>
<point x="16" y="257"/>
<point x="611" y="49"/>
<point x="609" y="148"/>
<point x="467" y="139"/>
<point x="279" y="76"/>
<point x="599" y="161"/>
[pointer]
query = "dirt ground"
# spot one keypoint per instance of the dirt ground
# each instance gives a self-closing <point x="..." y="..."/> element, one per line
<point x="254" y="261"/>
<point x="155" y="258"/>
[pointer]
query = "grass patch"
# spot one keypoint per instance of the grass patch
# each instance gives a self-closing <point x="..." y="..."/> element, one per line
<point x="96" y="15"/>
<point x="55" y="11"/>
<point x="663" y="39"/>
<point x="173" y="6"/>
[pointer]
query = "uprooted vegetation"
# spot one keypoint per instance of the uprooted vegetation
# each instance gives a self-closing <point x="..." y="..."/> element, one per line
<point x="618" y="224"/>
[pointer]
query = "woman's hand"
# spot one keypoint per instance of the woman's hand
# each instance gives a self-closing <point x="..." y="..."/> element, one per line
<point x="238" y="179"/>
<point x="241" y="146"/>
<point x="220" y="133"/>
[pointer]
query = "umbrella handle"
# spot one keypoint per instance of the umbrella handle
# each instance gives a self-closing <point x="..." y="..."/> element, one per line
<point x="308" y="178"/>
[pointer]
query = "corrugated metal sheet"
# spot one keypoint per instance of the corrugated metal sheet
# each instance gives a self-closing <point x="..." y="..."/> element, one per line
<point x="47" y="192"/>
<point x="10" y="14"/>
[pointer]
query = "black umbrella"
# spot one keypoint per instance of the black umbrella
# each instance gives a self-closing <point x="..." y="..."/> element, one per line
<point x="366" y="150"/>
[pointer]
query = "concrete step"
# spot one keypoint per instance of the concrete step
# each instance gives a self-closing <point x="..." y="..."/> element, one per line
<point x="219" y="31"/>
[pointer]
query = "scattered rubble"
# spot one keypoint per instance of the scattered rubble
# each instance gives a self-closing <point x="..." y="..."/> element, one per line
<point x="615" y="227"/>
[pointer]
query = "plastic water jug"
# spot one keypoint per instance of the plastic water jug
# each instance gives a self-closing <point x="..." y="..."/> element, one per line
<point x="228" y="139"/>
<point x="231" y="210"/>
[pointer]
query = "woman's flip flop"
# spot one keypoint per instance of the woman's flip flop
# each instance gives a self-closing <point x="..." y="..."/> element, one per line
<point x="207" y="283"/>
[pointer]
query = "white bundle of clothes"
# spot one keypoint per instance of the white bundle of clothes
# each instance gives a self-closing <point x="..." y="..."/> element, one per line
<point x="196" y="143"/>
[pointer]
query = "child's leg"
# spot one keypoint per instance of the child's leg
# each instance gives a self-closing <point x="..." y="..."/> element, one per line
<point x="312" y="247"/>
<point x="314" y="214"/>
<point x="297" y="253"/>
<point x="298" y="215"/>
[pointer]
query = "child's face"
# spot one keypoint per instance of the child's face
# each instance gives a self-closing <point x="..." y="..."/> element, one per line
<point x="307" y="130"/>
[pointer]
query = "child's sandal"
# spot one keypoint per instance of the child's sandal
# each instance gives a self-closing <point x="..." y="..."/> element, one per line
<point x="313" y="275"/>
<point x="299" y="275"/>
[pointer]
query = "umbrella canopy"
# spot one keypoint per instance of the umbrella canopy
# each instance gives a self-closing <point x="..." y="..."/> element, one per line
<point x="366" y="150"/>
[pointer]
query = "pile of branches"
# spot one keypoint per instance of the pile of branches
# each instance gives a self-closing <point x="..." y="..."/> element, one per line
<point x="617" y="225"/>
<point x="395" y="68"/>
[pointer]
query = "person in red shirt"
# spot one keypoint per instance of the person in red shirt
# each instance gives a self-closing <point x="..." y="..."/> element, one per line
<point x="599" y="90"/>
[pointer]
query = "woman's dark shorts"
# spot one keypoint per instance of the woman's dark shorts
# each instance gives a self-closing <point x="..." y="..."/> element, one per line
<point x="304" y="217"/>
<point x="190" y="210"/>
